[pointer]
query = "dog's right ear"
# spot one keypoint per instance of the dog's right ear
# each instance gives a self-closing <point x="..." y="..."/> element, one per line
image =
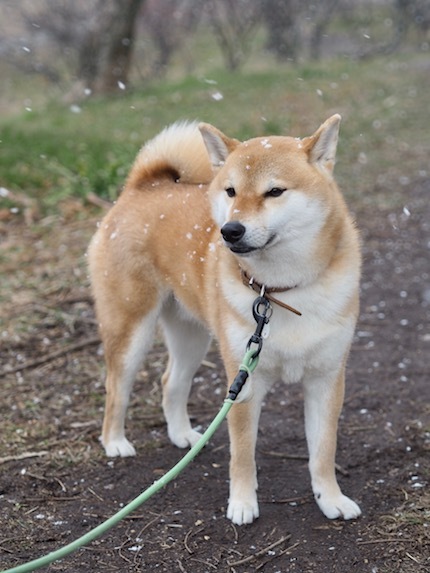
<point x="219" y="146"/>
<point x="321" y="146"/>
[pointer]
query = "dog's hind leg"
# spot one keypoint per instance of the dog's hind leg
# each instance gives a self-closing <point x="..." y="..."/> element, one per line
<point x="125" y="350"/>
<point x="187" y="342"/>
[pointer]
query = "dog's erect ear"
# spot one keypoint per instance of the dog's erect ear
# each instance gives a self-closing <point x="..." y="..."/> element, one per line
<point x="321" y="146"/>
<point x="219" y="146"/>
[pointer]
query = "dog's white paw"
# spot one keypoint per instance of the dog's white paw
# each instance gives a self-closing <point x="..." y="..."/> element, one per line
<point x="119" y="447"/>
<point x="185" y="439"/>
<point x="242" y="512"/>
<point x="337" y="506"/>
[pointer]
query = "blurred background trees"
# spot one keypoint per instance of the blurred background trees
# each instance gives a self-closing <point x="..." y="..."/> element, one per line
<point x="93" y="40"/>
<point x="101" y="46"/>
<point x="234" y="24"/>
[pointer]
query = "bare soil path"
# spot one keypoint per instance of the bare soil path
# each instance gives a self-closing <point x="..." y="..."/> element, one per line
<point x="56" y="484"/>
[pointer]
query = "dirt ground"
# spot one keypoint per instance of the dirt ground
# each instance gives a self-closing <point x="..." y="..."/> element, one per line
<point x="56" y="484"/>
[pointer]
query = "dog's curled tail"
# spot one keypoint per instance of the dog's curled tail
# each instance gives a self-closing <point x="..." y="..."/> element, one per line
<point x="178" y="152"/>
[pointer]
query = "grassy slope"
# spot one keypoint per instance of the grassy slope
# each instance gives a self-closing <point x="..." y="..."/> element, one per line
<point x="52" y="152"/>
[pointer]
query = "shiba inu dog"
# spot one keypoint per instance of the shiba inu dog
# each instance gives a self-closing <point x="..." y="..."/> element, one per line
<point x="201" y="218"/>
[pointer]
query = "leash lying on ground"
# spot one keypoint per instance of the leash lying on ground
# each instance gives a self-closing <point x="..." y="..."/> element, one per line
<point x="262" y="311"/>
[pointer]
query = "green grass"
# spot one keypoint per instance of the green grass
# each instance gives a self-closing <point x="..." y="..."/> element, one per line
<point x="52" y="153"/>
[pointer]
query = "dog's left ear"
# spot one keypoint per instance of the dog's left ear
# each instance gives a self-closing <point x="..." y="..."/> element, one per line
<point x="321" y="146"/>
<point x="219" y="146"/>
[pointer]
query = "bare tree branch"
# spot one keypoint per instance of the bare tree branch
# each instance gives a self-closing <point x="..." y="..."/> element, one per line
<point x="234" y="23"/>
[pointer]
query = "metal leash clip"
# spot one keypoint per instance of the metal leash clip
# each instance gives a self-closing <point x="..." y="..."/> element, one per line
<point x="262" y="312"/>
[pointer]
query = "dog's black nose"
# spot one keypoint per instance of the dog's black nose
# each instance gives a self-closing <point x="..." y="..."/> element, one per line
<point x="233" y="231"/>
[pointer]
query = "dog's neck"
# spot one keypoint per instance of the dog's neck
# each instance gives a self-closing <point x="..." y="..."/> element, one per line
<point x="267" y="291"/>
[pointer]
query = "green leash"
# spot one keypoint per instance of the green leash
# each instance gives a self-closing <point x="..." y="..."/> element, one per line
<point x="249" y="363"/>
<point x="134" y="504"/>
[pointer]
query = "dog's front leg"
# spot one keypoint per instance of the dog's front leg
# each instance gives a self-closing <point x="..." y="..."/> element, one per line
<point x="323" y="403"/>
<point x="243" y="426"/>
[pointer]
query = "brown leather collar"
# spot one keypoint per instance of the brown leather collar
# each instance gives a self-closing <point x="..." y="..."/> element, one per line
<point x="263" y="290"/>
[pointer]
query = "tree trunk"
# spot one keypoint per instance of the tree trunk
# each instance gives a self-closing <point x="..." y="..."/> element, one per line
<point x="106" y="51"/>
<point x="322" y="19"/>
<point x="282" y="20"/>
<point x="116" y="61"/>
<point x="234" y="23"/>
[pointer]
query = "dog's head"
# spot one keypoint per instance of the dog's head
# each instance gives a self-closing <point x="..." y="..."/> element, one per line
<point x="271" y="193"/>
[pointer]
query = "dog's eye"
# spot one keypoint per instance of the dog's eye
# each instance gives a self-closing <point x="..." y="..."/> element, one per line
<point x="231" y="192"/>
<point x="275" y="192"/>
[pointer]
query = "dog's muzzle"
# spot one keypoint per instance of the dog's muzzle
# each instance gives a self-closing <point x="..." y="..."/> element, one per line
<point x="233" y="234"/>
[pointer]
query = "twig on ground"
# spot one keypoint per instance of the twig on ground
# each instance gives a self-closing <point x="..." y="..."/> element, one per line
<point x="389" y="540"/>
<point x="187" y="547"/>
<point x="23" y="456"/>
<point x="260" y="552"/>
<point x="48" y="479"/>
<point x="284" y="455"/>
<point x="280" y="554"/>
<point x="303" y="457"/>
<point x="51" y="356"/>
<point x="301" y="499"/>
<point x="206" y="563"/>
<point x="209" y="364"/>
<point x="236" y="535"/>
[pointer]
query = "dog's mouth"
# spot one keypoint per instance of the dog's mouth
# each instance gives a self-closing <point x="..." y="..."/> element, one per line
<point x="242" y="248"/>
